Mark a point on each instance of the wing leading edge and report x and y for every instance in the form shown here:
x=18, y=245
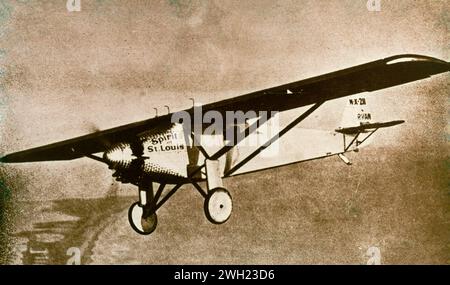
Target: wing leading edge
x=367, y=77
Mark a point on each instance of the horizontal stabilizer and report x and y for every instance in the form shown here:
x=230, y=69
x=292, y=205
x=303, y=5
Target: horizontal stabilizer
x=365, y=127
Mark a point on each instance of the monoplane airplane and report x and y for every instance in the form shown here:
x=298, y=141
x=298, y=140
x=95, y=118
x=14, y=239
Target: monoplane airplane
x=161, y=150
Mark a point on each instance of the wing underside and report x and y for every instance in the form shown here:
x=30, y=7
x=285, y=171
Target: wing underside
x=368, y=77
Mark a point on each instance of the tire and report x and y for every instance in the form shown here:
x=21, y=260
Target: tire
x=140, y=225
x=218, y=206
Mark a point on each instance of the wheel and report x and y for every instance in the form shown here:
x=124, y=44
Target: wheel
x=141, y=225
x=218, y=206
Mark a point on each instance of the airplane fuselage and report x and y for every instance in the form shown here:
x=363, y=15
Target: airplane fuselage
x=169, y=155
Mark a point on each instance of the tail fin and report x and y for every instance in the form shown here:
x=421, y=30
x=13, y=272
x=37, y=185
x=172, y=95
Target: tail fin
x=357, y=112
x=358, y=123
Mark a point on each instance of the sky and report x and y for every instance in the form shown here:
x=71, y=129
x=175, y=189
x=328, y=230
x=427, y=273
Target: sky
x=65, y=74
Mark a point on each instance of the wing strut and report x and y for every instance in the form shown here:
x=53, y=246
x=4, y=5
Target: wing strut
x=245, y=133
x=158, y=203
x=275, y=138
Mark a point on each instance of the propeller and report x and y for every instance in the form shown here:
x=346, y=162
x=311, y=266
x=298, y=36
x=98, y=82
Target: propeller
x=93, y=128
x=114, y=186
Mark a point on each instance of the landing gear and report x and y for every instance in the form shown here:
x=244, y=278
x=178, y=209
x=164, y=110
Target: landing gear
x=143, y=223
x=142, y=214
x=218, y=205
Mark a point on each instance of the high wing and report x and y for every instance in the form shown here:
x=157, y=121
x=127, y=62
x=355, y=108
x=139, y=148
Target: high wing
x=368, y=77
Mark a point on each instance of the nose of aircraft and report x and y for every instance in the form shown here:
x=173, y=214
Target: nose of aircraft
x=119, y=155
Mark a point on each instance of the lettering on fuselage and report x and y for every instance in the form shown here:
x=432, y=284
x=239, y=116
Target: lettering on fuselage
x=357, y=101
x=156, y=148
x=360, y=109
x=166, y=152
x=364, y=116
x=165, y=142
x=160, y=138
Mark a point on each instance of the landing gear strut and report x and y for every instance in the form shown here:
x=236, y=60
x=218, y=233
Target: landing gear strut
x=218, y=203
x=142, y=214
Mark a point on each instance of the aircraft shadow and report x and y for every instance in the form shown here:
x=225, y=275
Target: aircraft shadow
x=49, y=242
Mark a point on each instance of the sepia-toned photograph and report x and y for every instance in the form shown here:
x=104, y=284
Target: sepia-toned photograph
x=207, y=132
